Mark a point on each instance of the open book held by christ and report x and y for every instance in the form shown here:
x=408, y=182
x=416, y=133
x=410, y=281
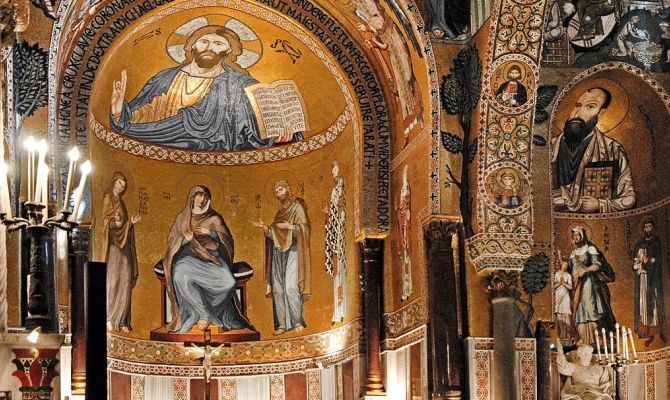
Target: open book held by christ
x=278, y=106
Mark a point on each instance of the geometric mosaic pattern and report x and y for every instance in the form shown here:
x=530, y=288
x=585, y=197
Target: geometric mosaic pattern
x=227, y=389
x=277, y=391
x=313, y=384
x=137, y=387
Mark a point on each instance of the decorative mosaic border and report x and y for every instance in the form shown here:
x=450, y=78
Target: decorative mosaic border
x=57, y=160
x=405, y=319
x=227, y=389
x=181, y=388
x=277, y=389
x=434, y=177
x=313, y=385
x=654, y=355
x=650, y=381
x=417, y=335
x=483, y=374
x=267, y=351
x=515, y=36
x=160, y=153
x=528, y=375
x=137, y=387
x=520, y=344
x=480, y=356
x=195, y=371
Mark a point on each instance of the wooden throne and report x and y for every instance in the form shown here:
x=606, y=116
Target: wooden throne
x=242, y=272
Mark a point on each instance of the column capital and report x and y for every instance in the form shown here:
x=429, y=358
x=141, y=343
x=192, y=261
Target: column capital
x=438, y=234
x=36, y=370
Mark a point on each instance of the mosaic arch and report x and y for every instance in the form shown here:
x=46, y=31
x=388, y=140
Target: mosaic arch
x=344, y=61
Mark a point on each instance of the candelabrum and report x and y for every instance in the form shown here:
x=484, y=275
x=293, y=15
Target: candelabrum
x=619, y=356
x=39, y=228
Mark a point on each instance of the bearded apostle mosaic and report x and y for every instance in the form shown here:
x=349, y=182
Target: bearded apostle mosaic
x=209, y=100
x=511, y=83
x=607, y=135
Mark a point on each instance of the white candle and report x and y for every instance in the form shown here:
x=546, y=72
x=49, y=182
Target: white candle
x=625, y=343
x=85, y=169
x=605, y=343
x=30, y=145
x=611, y=345
x=632, y=344
x=6, y=205
x=618, y=341
x=597, y=343
x=39, y=187
x=74, y=156
x=45, y=192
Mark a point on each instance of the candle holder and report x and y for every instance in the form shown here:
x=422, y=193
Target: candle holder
x=617, y=365
x=39, y=228
x=41, y=289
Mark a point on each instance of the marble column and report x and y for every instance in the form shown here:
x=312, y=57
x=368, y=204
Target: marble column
x=503, y=290
x=372, y=255
x=446, y=357
x=79, y=255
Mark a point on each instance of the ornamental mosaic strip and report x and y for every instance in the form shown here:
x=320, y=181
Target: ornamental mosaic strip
x=227, y=389
x=138, y=368
x=416, y=335
x=137, y=387
x=405, y=319
x=528, y=375
x=180, y=389
x=267, y=351
x=650, y=381
x=483, y=374
x=505, y=224
x=161, y=153
x=313, y=384
x=277, y=389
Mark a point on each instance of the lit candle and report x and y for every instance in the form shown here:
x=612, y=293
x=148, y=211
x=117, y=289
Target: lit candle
x=74, y=156
x=624, y=346
x=597, y=343
x=5, y=204
x=618, y=347
x=29, y=144
x=45, y=192
x=605, y=343
x=632, y=344
x=611, y=346
x=39, y=187
x=85, y=170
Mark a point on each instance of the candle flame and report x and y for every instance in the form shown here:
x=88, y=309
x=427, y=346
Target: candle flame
x=29, y=144
x=42, y=146
x=86, y=167
x=74, y=154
